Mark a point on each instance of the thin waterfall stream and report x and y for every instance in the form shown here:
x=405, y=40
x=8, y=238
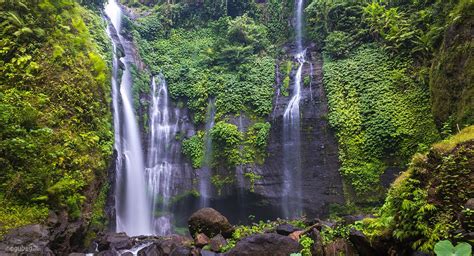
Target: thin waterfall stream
x=292, y=184
x=205, y=173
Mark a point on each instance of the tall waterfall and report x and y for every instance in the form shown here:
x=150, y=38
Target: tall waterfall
x=132, y=203
x=292, y=186
x=205, y=173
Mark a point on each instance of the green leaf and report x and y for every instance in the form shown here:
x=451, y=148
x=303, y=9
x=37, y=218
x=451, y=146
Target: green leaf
x=444, y=248
x=463, y=249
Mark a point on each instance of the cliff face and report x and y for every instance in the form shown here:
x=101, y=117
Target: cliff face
x=322, y=184
x=452, y=71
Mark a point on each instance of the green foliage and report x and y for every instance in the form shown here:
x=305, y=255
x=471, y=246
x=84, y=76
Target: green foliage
x=338, y=44
x=252, y=178
x=225, y=140
x=55, y=132
x=446, y=248
x=378, y=112
x=17, y=215
x=220, y=181
x=306, y=242
x=423, y=204
x=241, y=232
x=193, y=148
x=327, y=16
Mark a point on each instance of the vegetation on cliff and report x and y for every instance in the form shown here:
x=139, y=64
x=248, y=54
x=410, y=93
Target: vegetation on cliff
x=427, y=203
x=216, y=50
x=55, y=123
x=383, y=73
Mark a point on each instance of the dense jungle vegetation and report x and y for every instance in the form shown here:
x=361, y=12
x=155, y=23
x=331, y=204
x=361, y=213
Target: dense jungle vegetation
x=397, y=74
x=55, y=128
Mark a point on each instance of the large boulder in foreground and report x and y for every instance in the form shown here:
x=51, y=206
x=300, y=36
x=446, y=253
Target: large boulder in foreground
x=270, y=244
x=209, y=222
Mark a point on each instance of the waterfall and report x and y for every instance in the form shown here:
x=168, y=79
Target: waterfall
x=239, y=171
x=205, y=173
x=161, y=153
x=132, y=203
x=292, y=184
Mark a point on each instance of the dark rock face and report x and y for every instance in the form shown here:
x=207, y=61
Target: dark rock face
x=217, y=243
x=321, y=181
x=209, y=222
x=317, y=249
x=270, y=244
x=361, y=243
x=27, y=240
x=340, y=247
x=286, y=229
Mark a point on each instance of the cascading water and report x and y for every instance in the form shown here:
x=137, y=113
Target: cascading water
x=132, y=203
x=161, y=153
x=239, y=172
x=292, y=185
x=205, y=172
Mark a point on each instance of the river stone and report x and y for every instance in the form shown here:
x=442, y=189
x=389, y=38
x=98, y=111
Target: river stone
x=169, y=243
x=208, y=253
x=181, y=251
x=269, y=244
x=209, y=222
x=201, y=240
x=107, y=253
x=152, y=250
x=217, y=243
x=286, y=229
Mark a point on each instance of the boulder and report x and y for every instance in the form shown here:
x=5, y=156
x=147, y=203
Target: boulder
x=361, y=243
x=26, y=240
x=217, y=243
x=170, y=243
x=107, y=253
x=339, y=247
x=181, y=251
x=210, y=222
x=77, y=254
x=269, y=244
x=286, y=229
x=201, y=240
x=117, y=241
x=208, y=253
x=152, y=250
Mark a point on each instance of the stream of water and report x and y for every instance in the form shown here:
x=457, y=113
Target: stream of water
x=292, y=184
x=133, y=212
